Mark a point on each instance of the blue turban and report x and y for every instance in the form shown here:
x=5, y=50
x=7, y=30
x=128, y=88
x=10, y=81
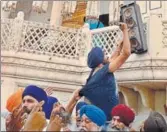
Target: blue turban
x=51, y=102
x=94, y=113
x=80, y=104
x=38, y=93
x=95, y=57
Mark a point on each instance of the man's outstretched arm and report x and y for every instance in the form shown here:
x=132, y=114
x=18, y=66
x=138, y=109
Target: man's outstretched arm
x=116, y=53
x=73, y=101
x=126, y=51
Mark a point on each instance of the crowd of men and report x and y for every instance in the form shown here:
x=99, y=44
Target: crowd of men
x=34, y=109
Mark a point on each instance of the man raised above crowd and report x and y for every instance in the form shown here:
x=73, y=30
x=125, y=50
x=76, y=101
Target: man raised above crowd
x=101, y=89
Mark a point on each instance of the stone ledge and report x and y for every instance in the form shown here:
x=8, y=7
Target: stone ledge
x=43, y=83
x=75, y=72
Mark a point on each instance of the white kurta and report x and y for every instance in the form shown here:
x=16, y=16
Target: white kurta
x=4, y=114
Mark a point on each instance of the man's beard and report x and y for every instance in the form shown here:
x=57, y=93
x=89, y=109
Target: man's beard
x=78, y=124
x=26, y=110
x=115, y=127
x=83, y=129
x=119, y=129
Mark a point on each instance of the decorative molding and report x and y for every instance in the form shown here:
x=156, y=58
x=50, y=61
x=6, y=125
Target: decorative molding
x=43, y=83
x=164, y=34
x=153, y=8
x=139, y=70
x=145, y=63
x=141, y=74
x=34, y=74
x=57, y=86
x=143, y=5
x=145, y=12
x=36, y=64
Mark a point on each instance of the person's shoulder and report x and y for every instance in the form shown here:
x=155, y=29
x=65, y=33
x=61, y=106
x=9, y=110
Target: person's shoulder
x=5, y=113
x=105, y=68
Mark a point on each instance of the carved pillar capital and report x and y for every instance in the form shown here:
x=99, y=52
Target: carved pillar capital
x=130, y=97
x=147, y=96
x=56, y=15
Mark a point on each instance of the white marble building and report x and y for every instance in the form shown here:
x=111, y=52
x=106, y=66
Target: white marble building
x=35, y=52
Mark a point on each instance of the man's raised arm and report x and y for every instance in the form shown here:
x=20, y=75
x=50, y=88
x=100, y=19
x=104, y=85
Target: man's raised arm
x=126, y=51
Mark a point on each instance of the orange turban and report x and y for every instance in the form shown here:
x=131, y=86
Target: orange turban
x=14, y=100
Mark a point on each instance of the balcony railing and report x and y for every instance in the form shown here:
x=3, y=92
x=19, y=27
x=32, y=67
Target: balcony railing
x=35, y=43
x=107, y=38
x=43, y=39
x=39, y=38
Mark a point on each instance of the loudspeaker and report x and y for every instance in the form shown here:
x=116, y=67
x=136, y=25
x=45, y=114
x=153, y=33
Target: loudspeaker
x=130, y=14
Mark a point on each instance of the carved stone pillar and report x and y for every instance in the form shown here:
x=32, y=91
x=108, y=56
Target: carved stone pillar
x=86, y=44
x=17, y=30
x=56, y=17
